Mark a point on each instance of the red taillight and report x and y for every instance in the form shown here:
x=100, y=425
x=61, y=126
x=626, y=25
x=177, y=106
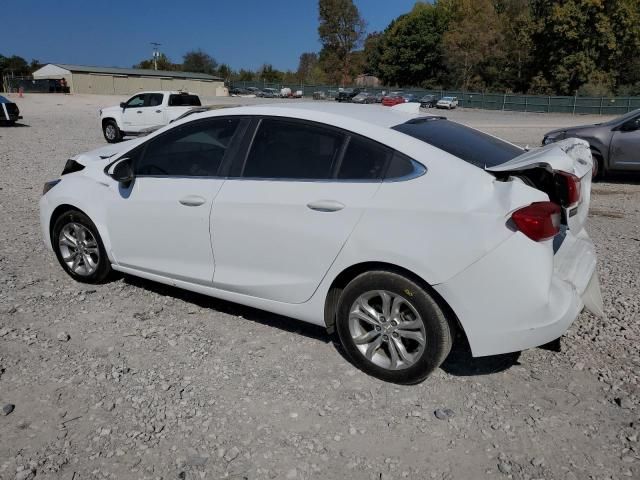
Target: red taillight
x=570, y=186
x=539, y=221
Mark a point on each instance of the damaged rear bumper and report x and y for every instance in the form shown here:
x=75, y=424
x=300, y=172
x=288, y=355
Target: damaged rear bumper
x=531, y=297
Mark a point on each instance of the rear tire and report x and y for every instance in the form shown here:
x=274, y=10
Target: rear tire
x=392, y=328
x=597, y=173
x=111, y=132
x=79, y=248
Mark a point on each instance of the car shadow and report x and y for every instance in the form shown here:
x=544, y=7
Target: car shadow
x=14, y=125
x=461, y=362
x=274, y=320
x=619, y=178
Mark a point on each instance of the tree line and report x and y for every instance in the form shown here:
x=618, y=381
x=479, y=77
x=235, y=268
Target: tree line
x=565, y=47
x=550, y=47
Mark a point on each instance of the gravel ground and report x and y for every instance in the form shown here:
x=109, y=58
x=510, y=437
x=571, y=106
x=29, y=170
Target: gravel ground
x=136, y=380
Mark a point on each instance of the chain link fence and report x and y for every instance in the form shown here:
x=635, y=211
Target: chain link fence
x=483, y=100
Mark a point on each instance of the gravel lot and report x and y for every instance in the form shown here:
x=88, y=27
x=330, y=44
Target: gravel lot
x=137, y=380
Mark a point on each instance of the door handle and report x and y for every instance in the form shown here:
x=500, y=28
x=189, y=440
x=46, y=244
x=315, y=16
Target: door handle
x=139, y=111
x=326, y=206
x=158, y=111
x=192, y=201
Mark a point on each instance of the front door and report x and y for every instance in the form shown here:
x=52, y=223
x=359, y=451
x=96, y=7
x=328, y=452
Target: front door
x=160, y=223
x=132, y=116
x=624, y=152
x=153, y=112
x=279, y=226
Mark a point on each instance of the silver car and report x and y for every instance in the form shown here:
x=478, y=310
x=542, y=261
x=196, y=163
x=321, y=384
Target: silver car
x=615, y=144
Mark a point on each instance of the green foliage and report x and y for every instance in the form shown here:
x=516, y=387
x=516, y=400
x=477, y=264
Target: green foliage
x=199, y=62
x=163, y=64
x=17, y=66
x=341, y=31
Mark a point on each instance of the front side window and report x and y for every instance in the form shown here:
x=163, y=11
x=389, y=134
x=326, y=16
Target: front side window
x=292, y=150
x=137, y=101
x=192, y=150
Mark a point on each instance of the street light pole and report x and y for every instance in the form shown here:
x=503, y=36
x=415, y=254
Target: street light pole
x=156, y=54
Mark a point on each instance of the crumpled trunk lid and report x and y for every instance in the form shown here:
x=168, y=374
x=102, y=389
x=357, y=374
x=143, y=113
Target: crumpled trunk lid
x=571, y=155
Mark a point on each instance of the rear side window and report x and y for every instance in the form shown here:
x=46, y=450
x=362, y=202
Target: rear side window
x=470, y=145
x=154, y=99
x=364, y=160
x=184, y=100
x=192, y=150
x=292, y=150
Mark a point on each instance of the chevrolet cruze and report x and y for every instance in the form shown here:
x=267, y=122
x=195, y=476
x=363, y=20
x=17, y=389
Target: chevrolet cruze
x=394, y=228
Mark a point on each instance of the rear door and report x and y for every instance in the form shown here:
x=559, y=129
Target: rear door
x=297, y=195
x=624, y=152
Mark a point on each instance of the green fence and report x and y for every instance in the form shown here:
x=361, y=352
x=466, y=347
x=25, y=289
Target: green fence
x=488, y=101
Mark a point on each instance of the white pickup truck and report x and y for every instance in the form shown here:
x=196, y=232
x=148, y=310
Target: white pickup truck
x=144, y=111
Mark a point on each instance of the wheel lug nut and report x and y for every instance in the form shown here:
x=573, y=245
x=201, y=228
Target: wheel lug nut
x=382, y=319
x=395, y=334
x=378, y=328
x=385, y=338
x=394, y=323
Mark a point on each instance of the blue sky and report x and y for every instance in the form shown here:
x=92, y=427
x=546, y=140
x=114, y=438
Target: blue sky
x=244, y=34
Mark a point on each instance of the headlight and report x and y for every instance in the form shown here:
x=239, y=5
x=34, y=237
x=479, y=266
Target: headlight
x=547, y=140
x=49, y=185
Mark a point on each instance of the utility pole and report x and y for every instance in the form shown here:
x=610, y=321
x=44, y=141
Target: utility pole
x=156, y=54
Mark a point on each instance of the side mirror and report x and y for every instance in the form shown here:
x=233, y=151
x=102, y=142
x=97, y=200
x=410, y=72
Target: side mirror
x=122, y=172
x=123, y=105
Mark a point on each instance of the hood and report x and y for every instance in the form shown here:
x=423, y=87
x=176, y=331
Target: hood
x=570, y=130
x=105, y=152
x=115, y=108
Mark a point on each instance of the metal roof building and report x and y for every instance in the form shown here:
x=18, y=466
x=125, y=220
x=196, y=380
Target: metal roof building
x=127, y=81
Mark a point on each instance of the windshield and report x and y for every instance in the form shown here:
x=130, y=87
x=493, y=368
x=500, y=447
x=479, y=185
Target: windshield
x=466, y=143
x=447, y=99
x=623, y=118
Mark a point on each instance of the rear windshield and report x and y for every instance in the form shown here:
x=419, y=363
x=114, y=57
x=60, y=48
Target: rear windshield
x=183, y=100
x=470, y=145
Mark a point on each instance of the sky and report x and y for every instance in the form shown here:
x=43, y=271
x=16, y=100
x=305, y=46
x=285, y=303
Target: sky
x=117, y=33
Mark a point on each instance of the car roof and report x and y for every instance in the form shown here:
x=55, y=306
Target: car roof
x=4, y=100
x=373, y=114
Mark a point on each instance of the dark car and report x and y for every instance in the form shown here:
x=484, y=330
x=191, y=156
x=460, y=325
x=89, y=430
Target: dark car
x=615, y=144
x=347, y=94
x=269, y=93
x=239, y=91
x=410, y=98
x=428, y=101
x=9, y=111
x=364, y=97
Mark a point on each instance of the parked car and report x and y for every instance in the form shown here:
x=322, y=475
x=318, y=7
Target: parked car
x=320, y=95
x=347, y=94
x=366, y=236
x=394, y=98
x=254, y=91
x=364, y=98
x=410, y=98
x=379, y=97
x=428, y=101
x=142, y=111
x=447, y=102
x=615, y=144
x=269, y=93
x=9, y=112
x=237, y=91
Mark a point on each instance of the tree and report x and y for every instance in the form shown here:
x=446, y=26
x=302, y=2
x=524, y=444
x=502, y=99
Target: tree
x=372, y=52
x=577, y=41
x=224, y=71
x=306, y=65
x=199, y=62
x=473, y=41
x=163, y=64
x=341, y=31
x=15, y=66
x=269, y=74
x=410, y=51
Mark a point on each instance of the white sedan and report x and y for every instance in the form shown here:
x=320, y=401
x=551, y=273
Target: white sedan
x=396, y=229
x=447, y=102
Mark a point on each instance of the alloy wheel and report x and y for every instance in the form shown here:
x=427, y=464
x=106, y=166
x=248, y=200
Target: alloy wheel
x=79, y=249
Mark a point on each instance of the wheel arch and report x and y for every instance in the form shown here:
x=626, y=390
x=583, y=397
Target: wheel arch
x=58, y=212
x=349, y=273
x=107, y=120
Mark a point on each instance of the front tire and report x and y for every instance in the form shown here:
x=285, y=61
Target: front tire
x=79, y=248
x=111, y=132
x=392, y=328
